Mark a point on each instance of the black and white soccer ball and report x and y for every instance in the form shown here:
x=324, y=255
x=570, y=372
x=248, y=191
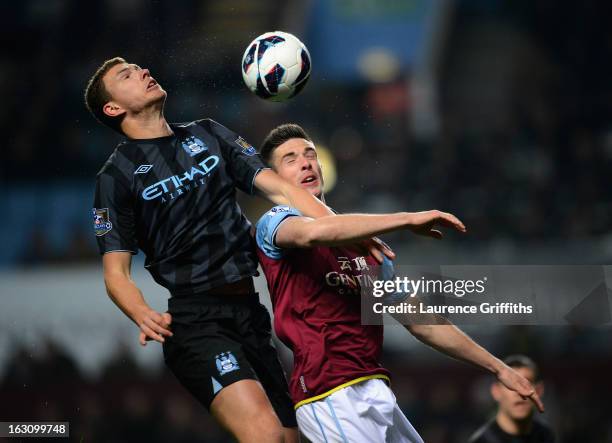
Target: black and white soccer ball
x=276, y=66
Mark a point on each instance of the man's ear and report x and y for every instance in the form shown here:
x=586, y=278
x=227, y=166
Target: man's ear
x=112, y=109
x=495, y=391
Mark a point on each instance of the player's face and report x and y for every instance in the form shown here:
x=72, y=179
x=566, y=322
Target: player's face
x=132, y=89
x=297, y=162
x=510, y=402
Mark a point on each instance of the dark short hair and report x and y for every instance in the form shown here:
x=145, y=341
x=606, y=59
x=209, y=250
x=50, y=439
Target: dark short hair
x=96, y=95
x=522, y=361
x=280, y=135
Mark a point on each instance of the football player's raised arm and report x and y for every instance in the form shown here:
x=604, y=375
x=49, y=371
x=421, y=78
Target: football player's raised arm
x=125, y=294
x=274, y=188
x=303, y=232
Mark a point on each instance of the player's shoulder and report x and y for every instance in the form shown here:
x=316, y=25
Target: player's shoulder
x=481, y=434
x=277, y=212
x=207, y=123
x=267, y=226
x=118, y=164
x=112, y=162
x=269, y=222
x=543, y=431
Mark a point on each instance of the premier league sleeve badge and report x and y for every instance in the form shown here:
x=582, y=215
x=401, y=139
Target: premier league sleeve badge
x=102, y=223
x=247, y=148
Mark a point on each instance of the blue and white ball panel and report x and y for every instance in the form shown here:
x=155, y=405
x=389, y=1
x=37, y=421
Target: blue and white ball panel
x=248, y=61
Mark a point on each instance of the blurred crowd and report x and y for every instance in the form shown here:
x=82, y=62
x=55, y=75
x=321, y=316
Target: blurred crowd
x=445, y=400
x=522, y=150
x=124, y=403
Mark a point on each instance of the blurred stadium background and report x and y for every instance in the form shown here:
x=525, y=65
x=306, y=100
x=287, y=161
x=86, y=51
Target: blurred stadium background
x=496, y=110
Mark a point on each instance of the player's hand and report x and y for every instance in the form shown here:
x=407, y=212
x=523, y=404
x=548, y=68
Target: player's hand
x=154, y=326
x=423, y=223
x=376, y=248
x=519, y=384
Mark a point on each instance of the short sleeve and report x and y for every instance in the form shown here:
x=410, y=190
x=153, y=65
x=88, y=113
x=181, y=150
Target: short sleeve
x=267, y=226
x=113, y=216
x=242, y=158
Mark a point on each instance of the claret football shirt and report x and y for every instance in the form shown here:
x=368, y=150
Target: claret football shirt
x=174, y=198
x=316, y=296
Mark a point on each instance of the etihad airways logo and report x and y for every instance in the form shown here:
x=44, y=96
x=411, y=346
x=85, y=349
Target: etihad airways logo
x=176, y=185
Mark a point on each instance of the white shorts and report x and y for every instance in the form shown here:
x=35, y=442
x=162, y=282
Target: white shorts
x=360, y=413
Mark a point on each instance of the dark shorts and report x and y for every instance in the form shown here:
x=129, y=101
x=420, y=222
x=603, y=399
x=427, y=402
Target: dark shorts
x=219, y=340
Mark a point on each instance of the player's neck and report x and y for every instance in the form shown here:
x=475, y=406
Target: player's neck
x=146, y=124
x=513, y=427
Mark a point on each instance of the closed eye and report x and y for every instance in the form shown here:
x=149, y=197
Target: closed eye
x=289, y=157
x=135, y=67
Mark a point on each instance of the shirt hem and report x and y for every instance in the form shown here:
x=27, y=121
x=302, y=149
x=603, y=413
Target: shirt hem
x=195, y=290
x=342, y=386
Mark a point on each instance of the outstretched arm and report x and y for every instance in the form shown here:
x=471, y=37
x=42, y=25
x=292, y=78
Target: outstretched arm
x=124, y=293
x=304, y=232
x=450, y=340
x=271, y=186
x=439, y=333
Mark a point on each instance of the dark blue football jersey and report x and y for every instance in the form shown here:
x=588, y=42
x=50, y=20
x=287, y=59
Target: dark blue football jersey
x=174, y=198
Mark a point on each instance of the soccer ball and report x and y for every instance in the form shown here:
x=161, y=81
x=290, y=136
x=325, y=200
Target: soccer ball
x=276, y=66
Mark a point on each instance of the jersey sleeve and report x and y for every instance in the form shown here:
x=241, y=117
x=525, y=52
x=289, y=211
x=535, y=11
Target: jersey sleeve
x=113, y=216
x=267, y=226
x=244, y=162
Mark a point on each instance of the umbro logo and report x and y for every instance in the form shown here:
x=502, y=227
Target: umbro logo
x=143, y=169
